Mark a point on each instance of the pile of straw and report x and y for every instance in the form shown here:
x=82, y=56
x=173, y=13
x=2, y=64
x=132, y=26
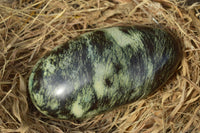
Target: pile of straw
x=31, y=28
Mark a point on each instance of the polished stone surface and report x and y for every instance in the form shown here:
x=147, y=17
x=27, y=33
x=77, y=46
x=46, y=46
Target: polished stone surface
x=101, y=70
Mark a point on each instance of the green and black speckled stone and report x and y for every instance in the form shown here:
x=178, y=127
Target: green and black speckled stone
x=103, y=69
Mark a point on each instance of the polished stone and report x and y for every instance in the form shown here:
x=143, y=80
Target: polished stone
x=101, y=70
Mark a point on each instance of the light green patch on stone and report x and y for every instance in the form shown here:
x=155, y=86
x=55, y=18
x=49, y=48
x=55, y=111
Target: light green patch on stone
x=49, y=68
x=119, y=37
x=137, y=37
x=122, y=39
x=35, y=83
x=53, y=103
x=102, y=71
x=30, y=82
x=42, y=111
x=90, y=52
x=61, y=116
x=39, y=99
x=150, y=70
x=77, y=108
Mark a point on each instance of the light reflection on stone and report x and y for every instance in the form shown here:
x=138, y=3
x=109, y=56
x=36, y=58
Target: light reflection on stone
x=63, y=90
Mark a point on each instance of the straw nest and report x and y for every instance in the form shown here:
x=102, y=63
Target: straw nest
x=31, y=28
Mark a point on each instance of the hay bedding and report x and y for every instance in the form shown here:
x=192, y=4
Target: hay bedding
x=31, y=28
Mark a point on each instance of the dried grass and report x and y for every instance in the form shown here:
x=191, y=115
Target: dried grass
x=31, y=28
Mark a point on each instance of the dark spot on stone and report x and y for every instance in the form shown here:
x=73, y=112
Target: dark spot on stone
x=105, y=100
x=125, y=30
x=149, y=43
x=117, y=67
x=39, y=75
x=108, y=82
x=94, y=102
x=101, y=43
